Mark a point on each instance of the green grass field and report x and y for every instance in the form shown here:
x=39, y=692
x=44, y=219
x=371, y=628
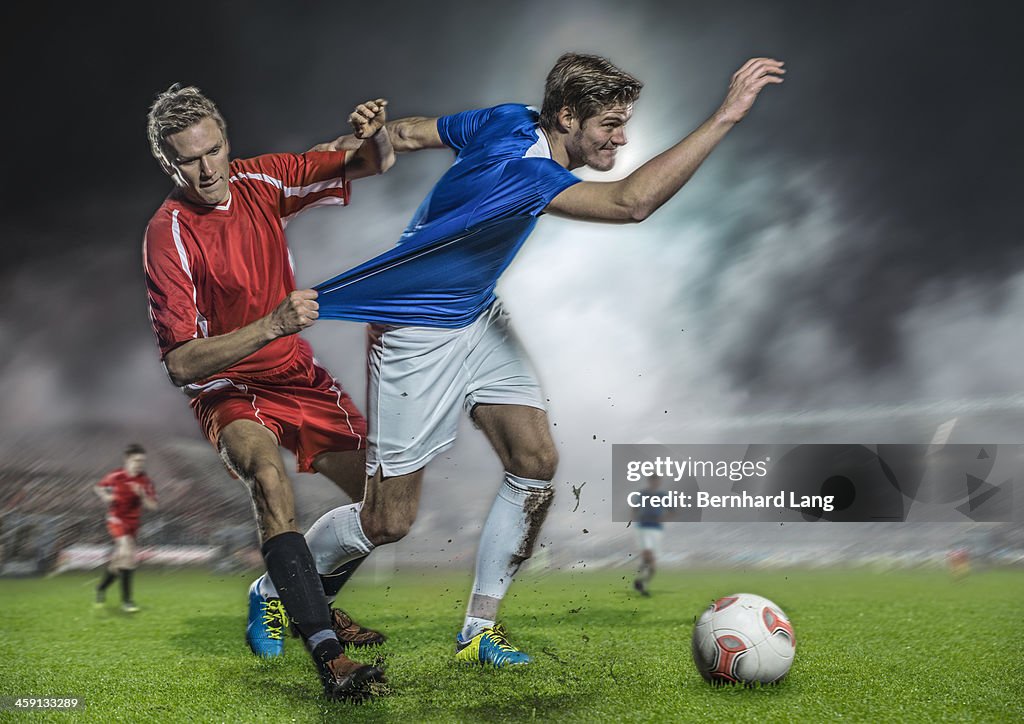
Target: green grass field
x=907, y=646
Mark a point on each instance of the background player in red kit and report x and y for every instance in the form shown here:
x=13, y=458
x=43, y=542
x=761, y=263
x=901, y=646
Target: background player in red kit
x=126, y=491
x=226, y=312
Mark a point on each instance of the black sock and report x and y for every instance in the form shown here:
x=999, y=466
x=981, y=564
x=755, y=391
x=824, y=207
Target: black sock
x=291, y=568
x=126, y=585
x=333, y=581
x=107, y=580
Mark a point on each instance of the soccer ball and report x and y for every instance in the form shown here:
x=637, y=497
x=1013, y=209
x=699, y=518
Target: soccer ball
x=743, y=638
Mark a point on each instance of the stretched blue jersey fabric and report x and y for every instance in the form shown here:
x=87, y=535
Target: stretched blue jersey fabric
x=443, y=271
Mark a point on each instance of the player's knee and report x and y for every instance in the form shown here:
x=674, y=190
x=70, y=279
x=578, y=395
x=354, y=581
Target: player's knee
x=537, y=464
x=384, y=533
x=387, y=526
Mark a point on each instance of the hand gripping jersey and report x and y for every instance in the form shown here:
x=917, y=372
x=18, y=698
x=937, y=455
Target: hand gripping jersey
x=212, y=270
x=466, y=232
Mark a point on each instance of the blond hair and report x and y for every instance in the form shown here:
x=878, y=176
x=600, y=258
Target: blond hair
x=174, y=110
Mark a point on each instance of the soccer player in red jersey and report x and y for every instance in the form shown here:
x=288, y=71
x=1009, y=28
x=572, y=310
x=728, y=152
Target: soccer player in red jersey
x=126, y=491
x=226, y=313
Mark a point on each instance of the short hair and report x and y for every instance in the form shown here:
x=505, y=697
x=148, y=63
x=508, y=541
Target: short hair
x=134, y=449
x=174, y=110
x=585, y=84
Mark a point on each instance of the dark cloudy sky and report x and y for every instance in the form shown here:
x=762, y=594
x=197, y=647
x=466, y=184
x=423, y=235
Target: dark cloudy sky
x=852, y=242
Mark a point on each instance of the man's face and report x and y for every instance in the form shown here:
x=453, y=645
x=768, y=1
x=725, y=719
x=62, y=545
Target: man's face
x=135, y=464
x=595, y=140
x=199, y=162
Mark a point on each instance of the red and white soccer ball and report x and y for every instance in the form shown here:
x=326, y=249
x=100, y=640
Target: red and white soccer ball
x=743, y=639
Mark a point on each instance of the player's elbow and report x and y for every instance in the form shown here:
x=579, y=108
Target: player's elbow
x=178, y=379
x=176, y=371
x=639, y=212
x=634, y=207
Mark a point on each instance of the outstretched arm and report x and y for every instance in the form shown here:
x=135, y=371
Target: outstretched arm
x=640, y=194
x=407, y=134
x=415, y=133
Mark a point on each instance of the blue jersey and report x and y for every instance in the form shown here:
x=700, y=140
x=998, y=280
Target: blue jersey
x=650, y=516
x=443, y=271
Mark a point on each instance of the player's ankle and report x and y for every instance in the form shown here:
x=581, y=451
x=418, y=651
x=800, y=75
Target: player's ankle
x=473, y=626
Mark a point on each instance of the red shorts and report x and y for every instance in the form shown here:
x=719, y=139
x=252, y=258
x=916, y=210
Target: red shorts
x=118, y=527
x=305, y=408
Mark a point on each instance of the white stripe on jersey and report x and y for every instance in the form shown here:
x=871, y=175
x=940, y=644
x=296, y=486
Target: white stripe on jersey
x=325, y=201
x=300, y=191
x=336, y=389
x=183, y=258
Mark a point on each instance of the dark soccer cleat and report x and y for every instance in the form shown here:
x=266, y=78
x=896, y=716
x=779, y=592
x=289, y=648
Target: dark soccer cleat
x=350, y=633
x=348, y=680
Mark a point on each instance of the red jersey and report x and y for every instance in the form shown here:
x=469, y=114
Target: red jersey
x=126, y=506
x=214, y=269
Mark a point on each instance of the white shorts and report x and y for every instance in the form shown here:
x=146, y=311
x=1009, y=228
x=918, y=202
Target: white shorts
x=419, y=378
x=650, y=539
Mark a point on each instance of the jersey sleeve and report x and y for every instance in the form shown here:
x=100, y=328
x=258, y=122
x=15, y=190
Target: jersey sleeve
x=527, y=186
x=149, y=488
x=458, y=129
x=108, y=481
x=169, y=283
x=300, y=181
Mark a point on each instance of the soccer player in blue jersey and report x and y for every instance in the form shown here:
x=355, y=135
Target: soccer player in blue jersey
x=439, y=338
x=648, y=531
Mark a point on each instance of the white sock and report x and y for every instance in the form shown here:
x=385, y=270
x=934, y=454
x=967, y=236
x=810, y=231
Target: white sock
x=266, y=587
x=506, y=541
x=473, y=626
x=336, y=538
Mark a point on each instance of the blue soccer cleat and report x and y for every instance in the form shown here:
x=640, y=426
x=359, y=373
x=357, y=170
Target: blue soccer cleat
x=490, y=646
x=267, y=623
